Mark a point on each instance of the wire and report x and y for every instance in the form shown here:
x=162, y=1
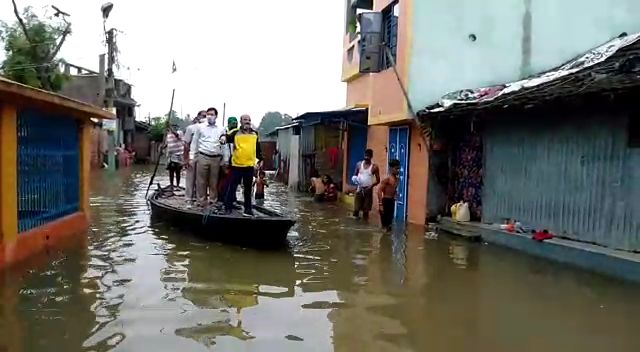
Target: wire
x=38, y=44
x=23, y=67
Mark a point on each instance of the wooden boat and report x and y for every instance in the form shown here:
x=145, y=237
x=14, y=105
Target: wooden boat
x=267, y=228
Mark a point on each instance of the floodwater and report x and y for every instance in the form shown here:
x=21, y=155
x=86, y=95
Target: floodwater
x=341, y=286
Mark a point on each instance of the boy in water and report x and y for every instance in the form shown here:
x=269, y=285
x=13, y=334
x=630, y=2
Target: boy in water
x=317, y=187
x=260, y=184
x=387, y=195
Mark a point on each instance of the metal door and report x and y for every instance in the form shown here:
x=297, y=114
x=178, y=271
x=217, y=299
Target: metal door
x=399, y=149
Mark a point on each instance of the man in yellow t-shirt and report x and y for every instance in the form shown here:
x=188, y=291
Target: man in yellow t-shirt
x=246, y=149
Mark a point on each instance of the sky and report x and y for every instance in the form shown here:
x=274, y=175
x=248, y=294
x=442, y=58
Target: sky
x=254, y=55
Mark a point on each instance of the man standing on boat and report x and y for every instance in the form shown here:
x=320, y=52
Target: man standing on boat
x=174, y=146
x=246, y=149
x=206, y=143
x=225, y=179
x=190, y=163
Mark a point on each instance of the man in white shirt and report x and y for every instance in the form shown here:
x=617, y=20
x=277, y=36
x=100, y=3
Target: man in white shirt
x=190, y=163
x=206, y=143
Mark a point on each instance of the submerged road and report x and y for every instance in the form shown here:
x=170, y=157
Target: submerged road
x=341, y=286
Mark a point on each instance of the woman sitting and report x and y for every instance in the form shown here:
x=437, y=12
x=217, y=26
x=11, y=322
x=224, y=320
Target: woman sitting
x=330, y=189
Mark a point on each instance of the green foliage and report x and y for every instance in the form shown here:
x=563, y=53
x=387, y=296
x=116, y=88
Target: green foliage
x=271, y=121
x=30, y=59
x=158, y=127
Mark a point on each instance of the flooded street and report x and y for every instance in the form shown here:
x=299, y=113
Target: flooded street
x=341, y=286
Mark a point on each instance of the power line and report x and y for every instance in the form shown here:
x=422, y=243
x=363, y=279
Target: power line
x=22, y=67
x=38, y=44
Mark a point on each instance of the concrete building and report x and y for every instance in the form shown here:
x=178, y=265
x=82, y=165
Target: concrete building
x=90, y=87
x=391, y=132
x=439, y=48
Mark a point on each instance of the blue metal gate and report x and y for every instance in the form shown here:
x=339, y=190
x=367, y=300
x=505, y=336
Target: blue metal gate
x=48, y=168
x=357, y=144
x=399, y=149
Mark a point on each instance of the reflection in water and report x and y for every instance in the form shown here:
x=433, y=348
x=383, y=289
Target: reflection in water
x=342, y=285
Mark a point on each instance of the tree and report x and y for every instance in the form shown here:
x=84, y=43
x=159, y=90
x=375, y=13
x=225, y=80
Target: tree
x=158, y=127
x=271, y=121
x=31, y=46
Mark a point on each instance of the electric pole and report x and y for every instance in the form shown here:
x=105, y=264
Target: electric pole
x=110, y=85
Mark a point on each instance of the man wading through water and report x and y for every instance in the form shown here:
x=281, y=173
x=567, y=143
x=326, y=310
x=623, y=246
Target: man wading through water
x=206, y=143
x=366, y=170
x=191, y=163
x=246, y=149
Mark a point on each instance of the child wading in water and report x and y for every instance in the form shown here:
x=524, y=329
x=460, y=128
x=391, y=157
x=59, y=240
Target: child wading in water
x=260, y=184
x=387, y=195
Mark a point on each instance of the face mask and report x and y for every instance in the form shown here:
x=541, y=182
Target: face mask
x=211, y=119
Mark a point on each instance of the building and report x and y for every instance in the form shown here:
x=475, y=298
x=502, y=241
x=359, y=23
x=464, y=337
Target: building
x=142, y=142
x=557, y=151
x=391, y=132
x=438, y=48
x=326, y=148
x=90, y=87
x=45, y=159
x=287, y=158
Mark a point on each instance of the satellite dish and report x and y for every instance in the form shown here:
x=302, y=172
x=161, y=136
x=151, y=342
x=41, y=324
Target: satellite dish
x=106, y=10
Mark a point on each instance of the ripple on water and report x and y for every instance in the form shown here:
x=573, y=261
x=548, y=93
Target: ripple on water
x=341, y=285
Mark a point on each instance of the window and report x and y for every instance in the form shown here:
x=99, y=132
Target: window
x=390, y=33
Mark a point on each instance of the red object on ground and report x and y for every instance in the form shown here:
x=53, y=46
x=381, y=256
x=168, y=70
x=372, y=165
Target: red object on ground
x=541, y=235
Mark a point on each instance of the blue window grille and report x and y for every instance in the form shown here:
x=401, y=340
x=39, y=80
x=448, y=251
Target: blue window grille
x=48, y=168
x=390, y=22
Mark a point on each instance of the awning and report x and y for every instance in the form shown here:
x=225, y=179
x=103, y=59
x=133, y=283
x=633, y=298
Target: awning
x=353, y=115
x=609, y=67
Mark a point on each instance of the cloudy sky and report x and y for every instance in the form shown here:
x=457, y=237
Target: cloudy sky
x=255, y=55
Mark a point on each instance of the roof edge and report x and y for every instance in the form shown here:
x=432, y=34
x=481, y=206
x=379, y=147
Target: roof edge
x=21, y=91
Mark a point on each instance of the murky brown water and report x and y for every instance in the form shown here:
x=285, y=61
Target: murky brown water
x=341, y=286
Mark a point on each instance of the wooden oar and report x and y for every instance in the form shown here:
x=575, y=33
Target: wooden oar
x=155, y=170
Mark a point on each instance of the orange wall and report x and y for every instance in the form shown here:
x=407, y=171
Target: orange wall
x=359, y=91
x=418, y=178
x=377, y=140
x=387, y=101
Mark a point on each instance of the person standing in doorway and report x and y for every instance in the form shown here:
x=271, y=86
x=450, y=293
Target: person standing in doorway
x=206, y=143
x=387, y=195
x=366, y=171
x=246, y=149
x=191, y=163
x=174, y=145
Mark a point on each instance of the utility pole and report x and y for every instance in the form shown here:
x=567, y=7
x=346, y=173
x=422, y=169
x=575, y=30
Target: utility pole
x=224, y=114
x=110, y=86
x=113, y=138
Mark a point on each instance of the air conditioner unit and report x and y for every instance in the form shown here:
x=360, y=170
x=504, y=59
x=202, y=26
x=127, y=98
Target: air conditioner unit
x=371, y=41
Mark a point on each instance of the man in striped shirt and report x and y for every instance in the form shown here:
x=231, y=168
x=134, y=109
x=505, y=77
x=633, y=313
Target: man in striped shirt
x=175, y=152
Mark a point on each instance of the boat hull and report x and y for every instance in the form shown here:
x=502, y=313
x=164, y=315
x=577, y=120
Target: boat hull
x=269, y=231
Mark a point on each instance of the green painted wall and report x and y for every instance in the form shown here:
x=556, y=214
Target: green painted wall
x=515, y=38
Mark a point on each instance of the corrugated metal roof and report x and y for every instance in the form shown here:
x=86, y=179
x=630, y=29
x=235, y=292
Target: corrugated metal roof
x=613, y=65
x=315, y=117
